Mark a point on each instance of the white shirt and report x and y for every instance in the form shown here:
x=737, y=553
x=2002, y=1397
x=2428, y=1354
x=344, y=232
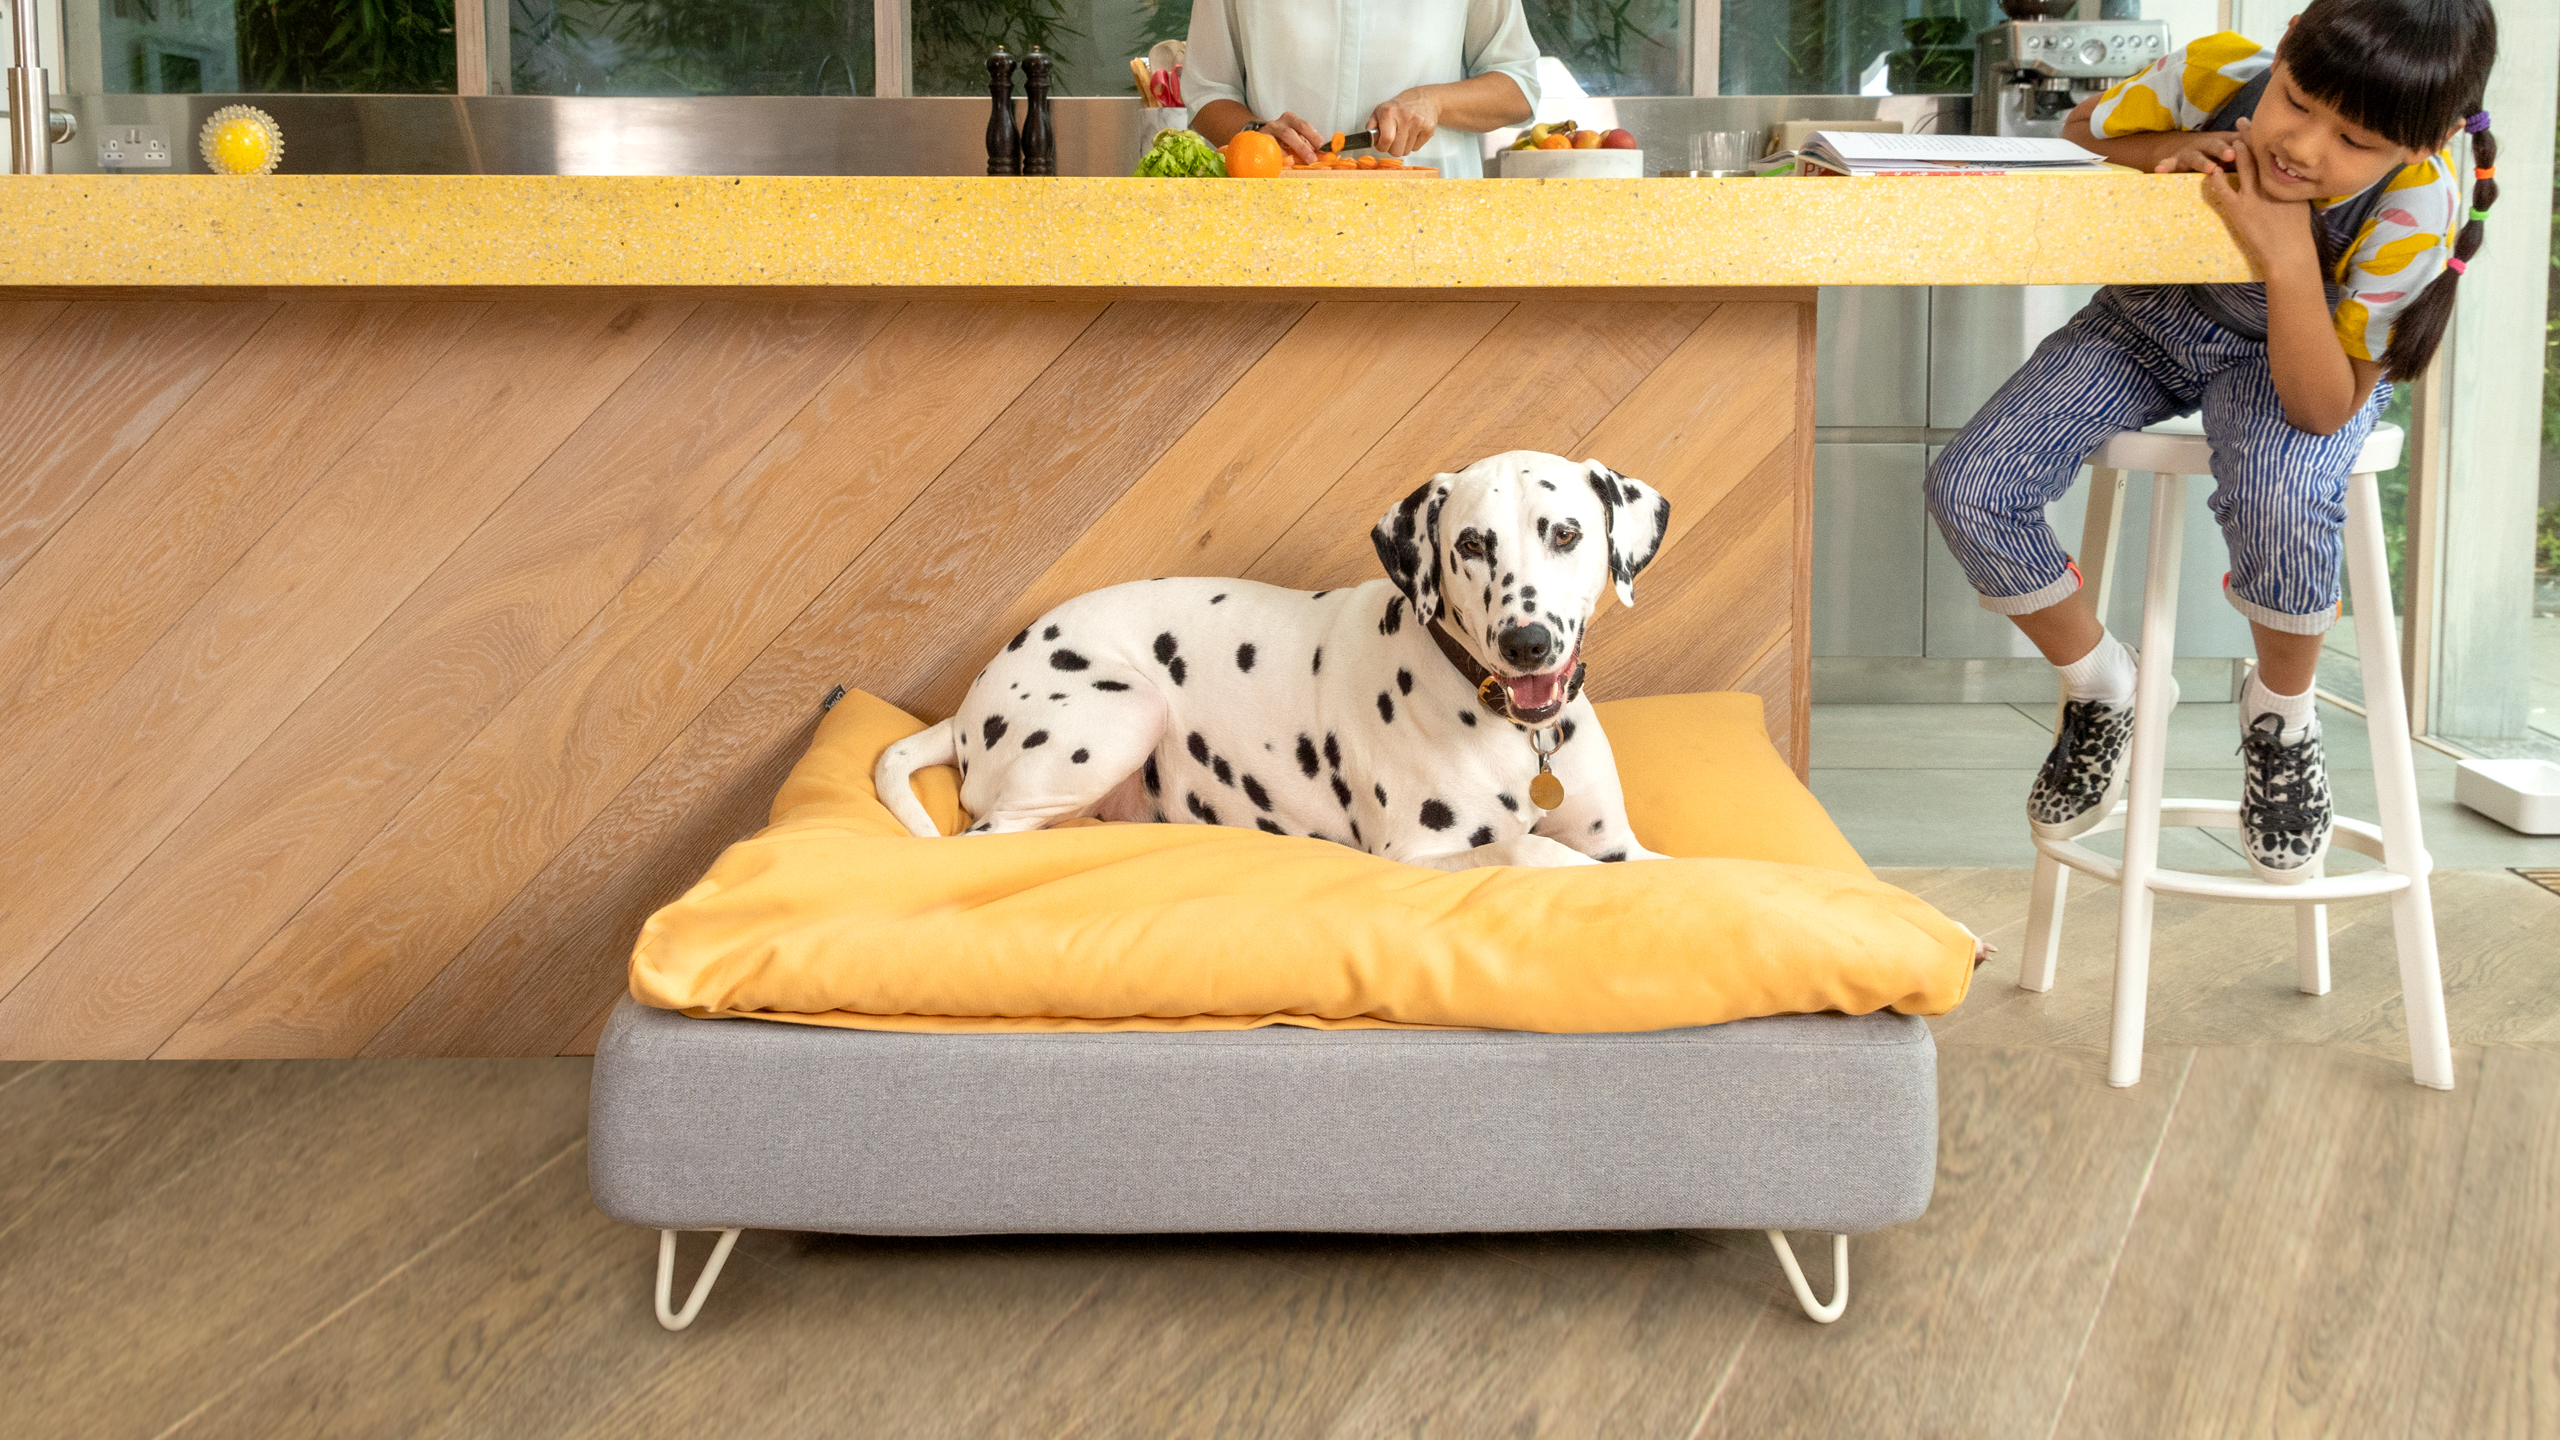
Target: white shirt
x=1332, y=62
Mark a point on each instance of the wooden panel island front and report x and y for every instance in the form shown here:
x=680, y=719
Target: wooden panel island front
x=406, y=584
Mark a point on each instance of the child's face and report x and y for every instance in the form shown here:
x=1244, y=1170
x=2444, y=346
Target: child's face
x=2308, y=151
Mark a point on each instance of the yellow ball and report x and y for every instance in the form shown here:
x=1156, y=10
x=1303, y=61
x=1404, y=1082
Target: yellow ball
x=241, y=140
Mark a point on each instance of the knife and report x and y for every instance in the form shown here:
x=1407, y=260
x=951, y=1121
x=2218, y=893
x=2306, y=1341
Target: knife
x=1359, y=140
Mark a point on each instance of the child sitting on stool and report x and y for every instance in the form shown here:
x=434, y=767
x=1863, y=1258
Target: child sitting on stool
x=2329, y=163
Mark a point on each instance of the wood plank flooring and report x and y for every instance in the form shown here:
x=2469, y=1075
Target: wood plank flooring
x=372, y=666
x=2281, y=1238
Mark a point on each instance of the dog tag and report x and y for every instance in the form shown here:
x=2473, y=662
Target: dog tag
x=1546, y=792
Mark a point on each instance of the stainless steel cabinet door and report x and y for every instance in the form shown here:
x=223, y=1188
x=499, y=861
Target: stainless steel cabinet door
x=1870, y=524
x=1871, y=356
x=1980, y=334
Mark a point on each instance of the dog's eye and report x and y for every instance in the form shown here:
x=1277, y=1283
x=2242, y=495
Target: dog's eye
x=1565, y=537
x=1471, y=547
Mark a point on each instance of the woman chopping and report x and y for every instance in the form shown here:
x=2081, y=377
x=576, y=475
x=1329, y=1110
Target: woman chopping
x=1427, y=77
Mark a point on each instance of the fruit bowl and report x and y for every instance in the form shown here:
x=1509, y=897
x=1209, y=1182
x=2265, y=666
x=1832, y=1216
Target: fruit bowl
x=1572, y=164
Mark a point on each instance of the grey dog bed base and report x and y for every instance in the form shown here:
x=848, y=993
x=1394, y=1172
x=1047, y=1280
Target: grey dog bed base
x=1807, y=1122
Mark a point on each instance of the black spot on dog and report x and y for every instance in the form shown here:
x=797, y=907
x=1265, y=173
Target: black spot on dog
x=1067, y=660
x=1165, y=648
x=994, y=729
x=1509, y=804
x=1155, y=785
x=1542, y=527
x=1404, y=682
x=1175, y=669
x=1049, y=634
x=1317, y=668
x=1506, y=597
x=1332, y=751
x=1564, y=732
x=1386, y=708
x=1016, y=642
x=1198, y=745
x=1054, y=695
x=1111, y=685
x=1528, y=592
x=1307, y=757
x=1355, y=834
x=1378, y=790
x=1437, y=816
x=1341, y=792
x=1319, y=594
x=1035, y=739
x=1267, y=827
x=1244, y=657
x=1080, y=757
x=1613, y=857
x=1546, y=485
x=1488, y=595
x=1225, y=772
x=1595, y=826
x=1393, y=620
x=1254, y=792
x=1214, y=599
x=1506, y=577
x=1466, y=717
x=1483, y=836
x=1202, y=812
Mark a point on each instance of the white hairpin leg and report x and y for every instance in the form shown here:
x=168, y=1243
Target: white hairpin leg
x=678, y=1319
x=1822, y=1314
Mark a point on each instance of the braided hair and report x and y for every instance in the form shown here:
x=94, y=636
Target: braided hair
x=2410, y=71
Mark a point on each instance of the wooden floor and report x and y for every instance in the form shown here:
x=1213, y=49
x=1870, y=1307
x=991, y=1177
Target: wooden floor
x=2275, y=1234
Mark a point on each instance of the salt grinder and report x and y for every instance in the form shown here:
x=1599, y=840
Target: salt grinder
x=1004, y=154
x=1039, y=140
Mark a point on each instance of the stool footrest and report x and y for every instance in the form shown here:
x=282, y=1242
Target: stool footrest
x=2347, y=834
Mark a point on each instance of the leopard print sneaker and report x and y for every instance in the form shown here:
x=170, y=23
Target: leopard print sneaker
x=2284, y=807
x=2083, y=775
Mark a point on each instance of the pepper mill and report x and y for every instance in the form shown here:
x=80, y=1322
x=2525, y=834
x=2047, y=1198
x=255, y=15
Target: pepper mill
x=1004, y=155
x=1039, y=140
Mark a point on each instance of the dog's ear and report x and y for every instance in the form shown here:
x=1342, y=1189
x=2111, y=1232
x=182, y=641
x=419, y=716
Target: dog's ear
x=1408, y=541
x=1638, y=516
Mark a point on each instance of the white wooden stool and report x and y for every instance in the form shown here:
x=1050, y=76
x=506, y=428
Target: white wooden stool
x=2172, y=452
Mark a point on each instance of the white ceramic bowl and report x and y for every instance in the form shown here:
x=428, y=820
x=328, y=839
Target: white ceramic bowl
x=2523, y=795
x=1572, y=165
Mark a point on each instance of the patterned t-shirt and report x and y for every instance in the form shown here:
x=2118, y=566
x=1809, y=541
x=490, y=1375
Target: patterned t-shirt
x=2404, y=243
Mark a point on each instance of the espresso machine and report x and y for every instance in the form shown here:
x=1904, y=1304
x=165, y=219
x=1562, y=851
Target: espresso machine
x=2030, y=71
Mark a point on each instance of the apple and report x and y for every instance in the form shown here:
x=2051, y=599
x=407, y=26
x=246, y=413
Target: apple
x=1618, y=140
x=1586, y=139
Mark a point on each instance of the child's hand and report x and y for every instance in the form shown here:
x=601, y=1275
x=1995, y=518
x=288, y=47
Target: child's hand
x=2208, y=153
x=2275, y=233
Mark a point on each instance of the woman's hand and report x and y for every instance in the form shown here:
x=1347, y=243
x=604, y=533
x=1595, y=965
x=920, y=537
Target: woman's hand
x=2276, y=234
x=2206, y=152
x=1296, y=136
x=1406, y=123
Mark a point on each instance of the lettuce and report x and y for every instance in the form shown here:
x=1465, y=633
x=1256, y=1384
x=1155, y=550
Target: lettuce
x=1181, y=153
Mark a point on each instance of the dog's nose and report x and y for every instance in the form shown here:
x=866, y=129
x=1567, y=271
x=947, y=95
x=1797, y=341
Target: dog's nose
x=1529, y=647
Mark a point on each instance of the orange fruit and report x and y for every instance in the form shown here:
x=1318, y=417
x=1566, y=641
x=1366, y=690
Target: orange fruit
x=1253, y=155
x=1555, y=142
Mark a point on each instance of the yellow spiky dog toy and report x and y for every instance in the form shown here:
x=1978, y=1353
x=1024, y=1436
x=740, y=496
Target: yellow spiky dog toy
x=241, y=140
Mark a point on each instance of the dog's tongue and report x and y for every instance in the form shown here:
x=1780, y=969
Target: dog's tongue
x=1538, y=692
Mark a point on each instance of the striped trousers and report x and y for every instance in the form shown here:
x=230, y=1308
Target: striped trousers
x=2136, y=356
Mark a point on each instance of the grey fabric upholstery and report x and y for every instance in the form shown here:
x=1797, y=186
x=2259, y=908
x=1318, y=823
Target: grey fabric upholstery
x=1816, y=1122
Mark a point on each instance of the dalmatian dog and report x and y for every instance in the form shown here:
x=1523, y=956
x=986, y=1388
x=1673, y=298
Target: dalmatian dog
x=1405, y=717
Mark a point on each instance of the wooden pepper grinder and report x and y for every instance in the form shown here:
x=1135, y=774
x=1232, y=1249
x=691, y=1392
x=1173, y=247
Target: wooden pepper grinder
x=1004, y=154
x=1039, y=141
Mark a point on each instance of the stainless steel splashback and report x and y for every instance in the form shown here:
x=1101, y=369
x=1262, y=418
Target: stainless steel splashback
x=796, y=135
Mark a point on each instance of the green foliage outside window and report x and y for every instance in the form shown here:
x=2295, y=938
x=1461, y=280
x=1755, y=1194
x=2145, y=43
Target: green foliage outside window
x=954, y=37
x=1613, y=47
x=347, y=46
x=694, y=47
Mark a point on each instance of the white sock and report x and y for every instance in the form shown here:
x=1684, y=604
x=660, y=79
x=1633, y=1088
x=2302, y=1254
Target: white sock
x=2297, y=711
x=2105, y=674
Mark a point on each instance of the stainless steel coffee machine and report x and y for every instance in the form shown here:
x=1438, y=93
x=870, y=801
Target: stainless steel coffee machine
x=2029, y=72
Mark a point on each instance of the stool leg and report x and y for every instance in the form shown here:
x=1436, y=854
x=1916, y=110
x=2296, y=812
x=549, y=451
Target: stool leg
x=2311, y=949
x=2142, y=792
x=2043, y=944
x=2395, y=783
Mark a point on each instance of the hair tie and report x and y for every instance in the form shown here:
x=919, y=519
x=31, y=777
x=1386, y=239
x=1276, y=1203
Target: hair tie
x=2485, y=172
x=2456, y=266
x=2477, y=123
x=2479, y=214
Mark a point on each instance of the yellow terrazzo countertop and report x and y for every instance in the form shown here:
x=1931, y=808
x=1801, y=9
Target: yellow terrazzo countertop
x=325, y=230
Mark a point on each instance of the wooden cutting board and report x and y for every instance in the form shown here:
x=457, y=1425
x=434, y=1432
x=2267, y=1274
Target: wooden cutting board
x=1312, y=172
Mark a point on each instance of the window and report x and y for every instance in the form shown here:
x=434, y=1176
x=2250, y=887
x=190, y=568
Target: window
x=183, y=47
x=1850, y=47
x=1616, y=47
x=689, y=47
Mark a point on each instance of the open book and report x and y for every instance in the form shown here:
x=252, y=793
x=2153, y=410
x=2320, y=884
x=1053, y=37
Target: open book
x=1853, y=152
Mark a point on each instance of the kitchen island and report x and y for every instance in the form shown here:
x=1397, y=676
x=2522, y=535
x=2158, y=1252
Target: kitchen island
x=407, y=583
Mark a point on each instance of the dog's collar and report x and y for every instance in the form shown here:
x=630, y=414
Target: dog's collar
x=1490, y=691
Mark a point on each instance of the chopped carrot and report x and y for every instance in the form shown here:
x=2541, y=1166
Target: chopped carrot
x=1368, y=162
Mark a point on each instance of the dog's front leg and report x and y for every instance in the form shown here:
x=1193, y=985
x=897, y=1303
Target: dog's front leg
x=1593, y=817
x=1520, y=850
